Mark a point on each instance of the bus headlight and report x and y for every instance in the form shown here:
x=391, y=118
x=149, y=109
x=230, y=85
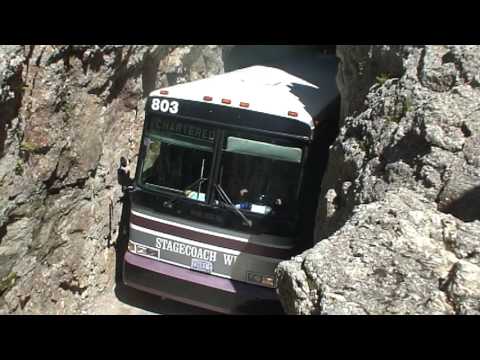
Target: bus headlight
x=268, y=281
x=131, y=247
x=141, y=250
x=152, y=252
x=265, y=280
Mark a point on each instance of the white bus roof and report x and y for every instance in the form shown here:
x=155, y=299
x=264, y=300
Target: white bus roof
x=266, y=89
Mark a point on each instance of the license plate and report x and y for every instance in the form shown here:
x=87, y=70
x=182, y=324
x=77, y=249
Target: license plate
x=202, y=265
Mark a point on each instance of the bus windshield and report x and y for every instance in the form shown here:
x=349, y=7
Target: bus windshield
x=261, y=177
x=177, y=163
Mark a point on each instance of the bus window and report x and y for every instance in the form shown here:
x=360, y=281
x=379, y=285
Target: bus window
x=178, y=164
x=260, y=177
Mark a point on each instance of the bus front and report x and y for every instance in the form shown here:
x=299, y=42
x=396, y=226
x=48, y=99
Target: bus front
x=215, y=205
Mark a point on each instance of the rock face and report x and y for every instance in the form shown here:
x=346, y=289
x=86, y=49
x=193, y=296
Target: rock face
x=67, y=114
x=398, y=228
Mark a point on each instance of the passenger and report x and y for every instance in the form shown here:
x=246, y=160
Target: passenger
x=154, y=174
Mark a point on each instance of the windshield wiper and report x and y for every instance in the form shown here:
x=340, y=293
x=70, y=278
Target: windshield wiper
x=168, y=203
x=200, y=181
x=226, y=201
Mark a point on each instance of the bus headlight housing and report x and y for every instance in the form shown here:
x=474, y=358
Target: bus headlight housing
x=131, y=247
x=265, y=280
x=140, y=250
x=268, y=281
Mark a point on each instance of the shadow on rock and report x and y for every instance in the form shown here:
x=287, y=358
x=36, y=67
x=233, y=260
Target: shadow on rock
x=467, y=207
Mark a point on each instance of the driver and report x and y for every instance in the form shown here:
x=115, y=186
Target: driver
x=244, y=201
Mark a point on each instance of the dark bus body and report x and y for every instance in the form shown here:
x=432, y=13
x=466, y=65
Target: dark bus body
x=210, y=226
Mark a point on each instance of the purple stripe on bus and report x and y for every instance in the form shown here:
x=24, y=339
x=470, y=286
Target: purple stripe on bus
x=212, y=239
x=180, y=273
x=166, y=270
x=195, y=277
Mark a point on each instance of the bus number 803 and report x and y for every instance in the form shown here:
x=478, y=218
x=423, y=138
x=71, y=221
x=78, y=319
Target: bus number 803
x=165, y=105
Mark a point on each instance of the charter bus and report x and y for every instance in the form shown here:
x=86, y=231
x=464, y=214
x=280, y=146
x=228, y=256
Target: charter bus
x=216, y=200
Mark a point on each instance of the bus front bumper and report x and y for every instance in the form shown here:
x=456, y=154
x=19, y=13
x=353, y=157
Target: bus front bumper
x=198, y=289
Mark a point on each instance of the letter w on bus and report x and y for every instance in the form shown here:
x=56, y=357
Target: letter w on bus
x=228, y=259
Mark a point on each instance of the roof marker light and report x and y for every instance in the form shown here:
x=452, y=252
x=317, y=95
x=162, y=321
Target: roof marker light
x=244, y=104
x=226, y=101
x=207, y=98
x=292, y=113
x=164, y=92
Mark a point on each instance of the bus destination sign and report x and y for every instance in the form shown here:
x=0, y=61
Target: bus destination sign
x=177, y=126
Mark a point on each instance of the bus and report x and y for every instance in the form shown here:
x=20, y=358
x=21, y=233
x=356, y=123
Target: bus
x=216, y=202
